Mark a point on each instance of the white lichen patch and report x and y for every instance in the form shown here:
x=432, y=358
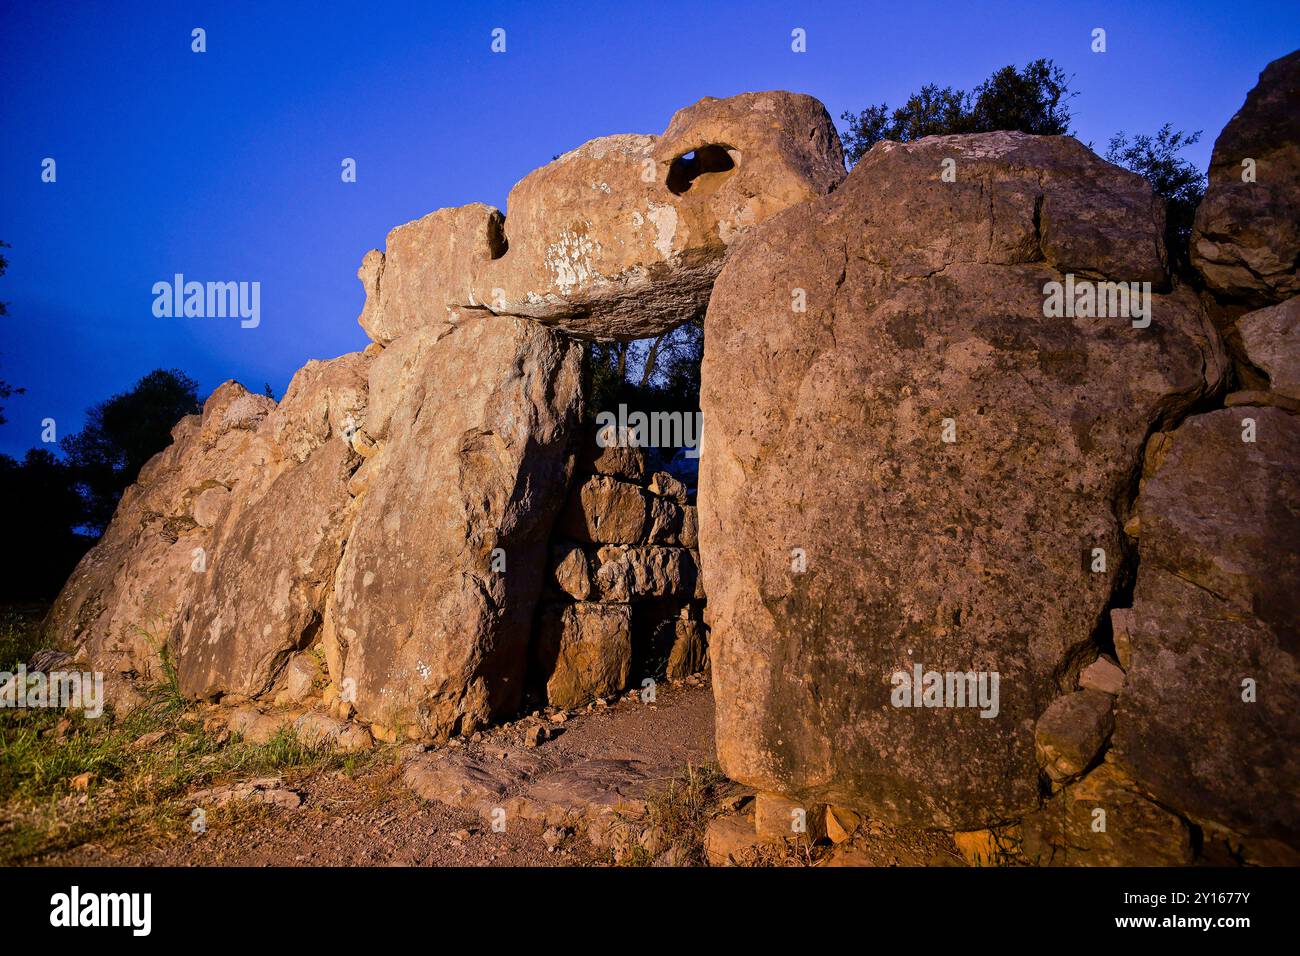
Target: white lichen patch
x=664, y=219
x=568, y=260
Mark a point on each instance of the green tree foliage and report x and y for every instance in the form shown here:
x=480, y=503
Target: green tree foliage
x=1182, y=185
x=648, y=375
x=123, y=433
x=1031, y=100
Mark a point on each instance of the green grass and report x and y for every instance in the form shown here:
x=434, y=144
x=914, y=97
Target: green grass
x=135, y=790
x=20, y=638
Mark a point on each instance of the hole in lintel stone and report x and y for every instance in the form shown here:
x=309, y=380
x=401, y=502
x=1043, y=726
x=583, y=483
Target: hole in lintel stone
x=497, y=244
x=688, y=167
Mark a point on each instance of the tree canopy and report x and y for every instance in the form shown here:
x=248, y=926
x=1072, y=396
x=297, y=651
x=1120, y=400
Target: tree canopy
x=658, y=374
x=1034, y=99
x=124, y=432
x=1155, y=158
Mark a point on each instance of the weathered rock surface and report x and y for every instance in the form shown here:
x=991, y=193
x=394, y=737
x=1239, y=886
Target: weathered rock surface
x=570, y=570
x=324, y=399
x=118, y=607
x=300, y=676
x=588, y=792
x=619, y=238
x=636, y=572
x=666, y=521
x=460, y=780
x=1207, y=719
x=586, y=649
x=1272, y=344
x=607, y=511
x=1103, y=675
x=620, y=460
x=1104, y=820
x=925, y=317
x=435, y=593
x=256, y=727
x=841, y=824
x=426, y=269
x=263, y=592
x=1072, y=731
x=688, y=652
x=268, y=790
x=666, y=486
x=1246, y=241
x=316, y=730
x=731, y=840
x=777, y=818
x=597, y=796
x=689, y=536
x=1121, y=628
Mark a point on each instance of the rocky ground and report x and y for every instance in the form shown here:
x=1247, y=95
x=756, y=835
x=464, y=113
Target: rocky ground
x=374, y=819
x=339, y=816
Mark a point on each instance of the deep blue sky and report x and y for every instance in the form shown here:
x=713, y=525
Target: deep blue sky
x=225, y=165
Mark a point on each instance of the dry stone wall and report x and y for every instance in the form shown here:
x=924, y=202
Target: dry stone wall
x=624, y=602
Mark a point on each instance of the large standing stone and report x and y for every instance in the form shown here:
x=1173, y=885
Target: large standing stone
x=1208, y=718
x=844, y=539
x=120, y=604
x=261, y=593
x=1246, y=241
x=435, y=593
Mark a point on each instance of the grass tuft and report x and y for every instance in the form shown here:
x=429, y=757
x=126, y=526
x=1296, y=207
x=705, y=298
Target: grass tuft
x=679, y=813
x=136, y=786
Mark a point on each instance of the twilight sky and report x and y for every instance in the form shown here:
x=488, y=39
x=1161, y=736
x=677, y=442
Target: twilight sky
x=225, y=165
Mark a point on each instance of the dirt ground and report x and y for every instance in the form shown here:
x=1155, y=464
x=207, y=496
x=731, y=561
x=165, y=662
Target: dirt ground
x=374, y=820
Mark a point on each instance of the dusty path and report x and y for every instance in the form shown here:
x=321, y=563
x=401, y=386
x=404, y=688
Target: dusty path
x=375, y=819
